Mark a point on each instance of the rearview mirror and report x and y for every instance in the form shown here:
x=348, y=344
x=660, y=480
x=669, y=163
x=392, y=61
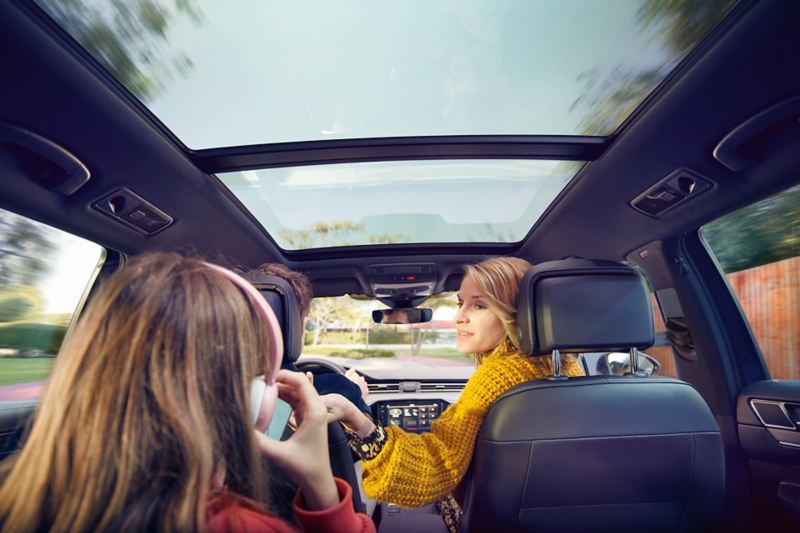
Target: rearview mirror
x=413, y=315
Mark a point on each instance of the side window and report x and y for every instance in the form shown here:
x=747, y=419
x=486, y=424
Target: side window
x=43, y=275
x=758, y=249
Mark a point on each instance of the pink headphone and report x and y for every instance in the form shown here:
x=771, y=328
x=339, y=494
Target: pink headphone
x=263, y=390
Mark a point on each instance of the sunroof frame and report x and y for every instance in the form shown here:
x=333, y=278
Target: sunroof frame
x=262, y=156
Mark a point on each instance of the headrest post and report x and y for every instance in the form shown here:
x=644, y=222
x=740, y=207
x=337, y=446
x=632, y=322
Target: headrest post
x=634, y=361
x=556, y=355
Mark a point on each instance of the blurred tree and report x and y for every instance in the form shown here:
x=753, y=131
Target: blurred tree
x=685, y=22
x=614, y=95
x=335, y=233
x=20, y=303
x=129, y=37
x=323, y=234
x=25, y=250
x=765, y=232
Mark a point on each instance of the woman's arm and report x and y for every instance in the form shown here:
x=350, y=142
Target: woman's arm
x=417, y=469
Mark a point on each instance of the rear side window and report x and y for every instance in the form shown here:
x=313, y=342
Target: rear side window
x=43, y=275
x=758, y=249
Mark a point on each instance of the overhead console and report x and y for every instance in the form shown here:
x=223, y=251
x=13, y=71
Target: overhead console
x=407, y=283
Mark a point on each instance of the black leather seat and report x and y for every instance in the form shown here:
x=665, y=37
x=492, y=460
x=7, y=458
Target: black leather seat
x=624, y=453
x=280, y=296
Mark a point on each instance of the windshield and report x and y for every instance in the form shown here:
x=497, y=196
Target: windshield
x=341, y=329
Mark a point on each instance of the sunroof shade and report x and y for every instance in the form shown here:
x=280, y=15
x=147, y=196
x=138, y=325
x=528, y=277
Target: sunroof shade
x=250, y=72
x=401, y=201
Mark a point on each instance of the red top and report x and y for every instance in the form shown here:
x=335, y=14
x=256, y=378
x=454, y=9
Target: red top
x=229, y=513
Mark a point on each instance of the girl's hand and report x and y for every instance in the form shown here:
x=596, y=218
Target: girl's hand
x=359, y=380
x=304, y=455
x=342, y=410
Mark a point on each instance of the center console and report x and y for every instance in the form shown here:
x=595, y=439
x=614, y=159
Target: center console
x=413, y=416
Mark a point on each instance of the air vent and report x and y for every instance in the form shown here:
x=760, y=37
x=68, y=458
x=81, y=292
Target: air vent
x=442, y=387
x=383, y=387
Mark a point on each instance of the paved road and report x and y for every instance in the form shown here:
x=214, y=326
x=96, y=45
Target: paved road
x=21, y=391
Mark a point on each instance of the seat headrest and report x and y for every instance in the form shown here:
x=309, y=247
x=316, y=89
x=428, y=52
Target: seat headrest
x=581, y=305
x=280, y=296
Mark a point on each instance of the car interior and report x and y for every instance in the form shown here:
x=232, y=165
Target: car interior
x=715, y=447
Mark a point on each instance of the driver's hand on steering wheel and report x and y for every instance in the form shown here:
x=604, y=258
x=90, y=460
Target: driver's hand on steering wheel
x=359, y=380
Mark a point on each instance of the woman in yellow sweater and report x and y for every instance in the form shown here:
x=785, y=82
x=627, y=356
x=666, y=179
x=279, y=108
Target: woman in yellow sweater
x=418, y=469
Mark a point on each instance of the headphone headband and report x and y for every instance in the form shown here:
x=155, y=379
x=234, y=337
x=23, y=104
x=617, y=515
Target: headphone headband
x=267, y=314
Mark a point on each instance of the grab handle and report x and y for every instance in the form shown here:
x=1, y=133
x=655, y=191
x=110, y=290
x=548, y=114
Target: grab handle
x=738, y=150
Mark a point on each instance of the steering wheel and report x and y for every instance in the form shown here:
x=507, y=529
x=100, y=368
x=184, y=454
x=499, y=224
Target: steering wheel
x=319, y=361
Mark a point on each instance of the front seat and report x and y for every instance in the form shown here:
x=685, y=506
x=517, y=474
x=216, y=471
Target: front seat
x=280, y=296
x=601, y=453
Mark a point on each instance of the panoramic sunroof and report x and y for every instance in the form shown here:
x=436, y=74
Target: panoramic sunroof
x=456, y=201
x=219, y=74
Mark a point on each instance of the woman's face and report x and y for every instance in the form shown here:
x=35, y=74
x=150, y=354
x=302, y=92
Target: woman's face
x=479, y=329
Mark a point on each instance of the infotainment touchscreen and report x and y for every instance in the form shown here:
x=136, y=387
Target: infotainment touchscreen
x=416, y=416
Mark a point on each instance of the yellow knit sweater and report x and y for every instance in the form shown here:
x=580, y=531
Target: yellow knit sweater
x=414, y=470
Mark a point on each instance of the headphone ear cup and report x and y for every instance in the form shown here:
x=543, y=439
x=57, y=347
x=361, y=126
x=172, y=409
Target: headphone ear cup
x=257, y=389
x=268, y=404
x=263, y=398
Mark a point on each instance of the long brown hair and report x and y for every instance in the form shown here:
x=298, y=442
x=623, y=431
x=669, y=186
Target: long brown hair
x=147, y=402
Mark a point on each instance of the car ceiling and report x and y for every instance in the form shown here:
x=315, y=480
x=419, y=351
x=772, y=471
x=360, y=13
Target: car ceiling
x=749, y=63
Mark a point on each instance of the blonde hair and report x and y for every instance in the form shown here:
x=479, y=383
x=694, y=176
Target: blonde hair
x=498, y=278
x=147, y=401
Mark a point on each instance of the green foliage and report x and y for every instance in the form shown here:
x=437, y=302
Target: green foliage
x=24, y=369
x=362, y=353
x=25, y=250
x=389, y=335
x=336, y=233
x=19, y=304
x=342, y=337
x=30, y=336
x=685, y=22
x=765, y=232
x=613, y=96
x=129, y=38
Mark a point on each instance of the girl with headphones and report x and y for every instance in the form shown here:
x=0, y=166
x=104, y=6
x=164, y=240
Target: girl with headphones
x=153, y=418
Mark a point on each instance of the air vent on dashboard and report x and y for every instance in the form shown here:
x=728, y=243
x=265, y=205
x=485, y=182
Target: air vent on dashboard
x=384, y=387
x=417, y=386
x=442, y=387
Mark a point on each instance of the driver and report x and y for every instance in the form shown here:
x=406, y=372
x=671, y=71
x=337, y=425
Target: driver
x=352, y=385
x=413, y=470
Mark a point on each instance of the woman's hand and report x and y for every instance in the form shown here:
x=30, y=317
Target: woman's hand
x=359, y=380
x=304, y=455
x=342, y=410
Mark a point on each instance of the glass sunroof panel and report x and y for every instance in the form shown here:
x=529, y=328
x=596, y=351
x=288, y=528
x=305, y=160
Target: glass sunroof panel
x=453, y=201
x=249, y=72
